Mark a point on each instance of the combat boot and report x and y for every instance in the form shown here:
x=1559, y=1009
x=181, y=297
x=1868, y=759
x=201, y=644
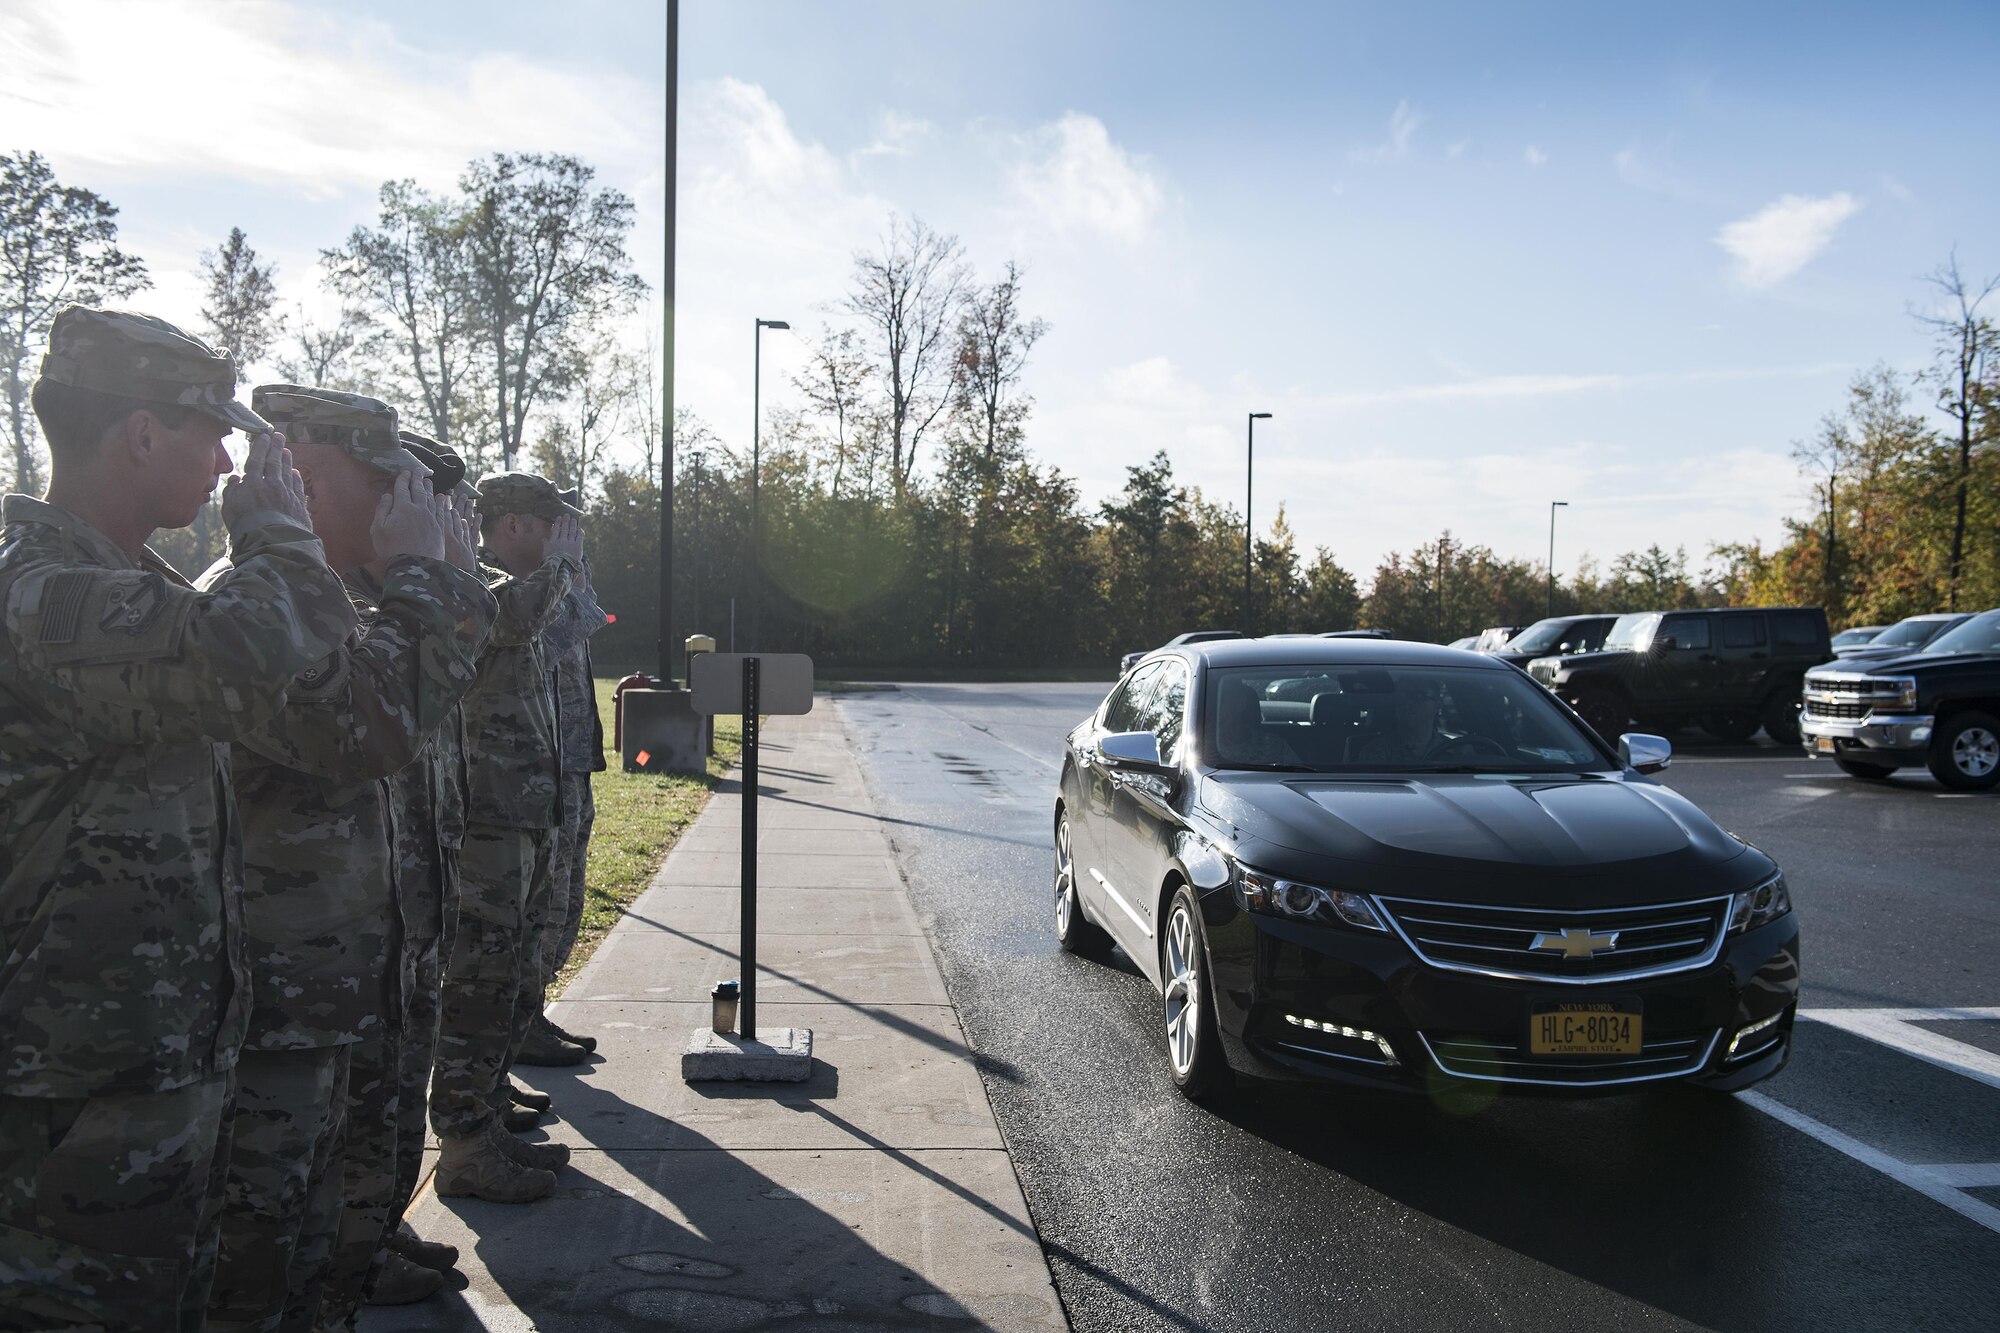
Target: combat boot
x=519, y=1118
x=544, y=1047
x=588, y=1043
x=532, y=1100
x=404, y=1282
x=475, y=1167
x=432, y=1254
x=542, y=1156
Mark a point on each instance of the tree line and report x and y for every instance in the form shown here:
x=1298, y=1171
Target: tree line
x=897, y=515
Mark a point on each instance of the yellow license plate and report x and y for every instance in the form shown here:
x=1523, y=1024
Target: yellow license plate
x=1585, y=1028
x=1822, y=745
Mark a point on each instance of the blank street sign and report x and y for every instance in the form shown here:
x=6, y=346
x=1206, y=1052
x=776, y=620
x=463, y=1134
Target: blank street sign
x=784, y=683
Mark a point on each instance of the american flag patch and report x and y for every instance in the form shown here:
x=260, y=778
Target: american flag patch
x=62, y=605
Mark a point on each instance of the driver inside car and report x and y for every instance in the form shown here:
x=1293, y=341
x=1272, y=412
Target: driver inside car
x=1408, y=730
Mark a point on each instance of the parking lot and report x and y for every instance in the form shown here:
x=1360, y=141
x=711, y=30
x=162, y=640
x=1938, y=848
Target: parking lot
x=1859, y=1189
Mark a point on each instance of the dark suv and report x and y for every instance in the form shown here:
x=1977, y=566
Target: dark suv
x=1732, y=669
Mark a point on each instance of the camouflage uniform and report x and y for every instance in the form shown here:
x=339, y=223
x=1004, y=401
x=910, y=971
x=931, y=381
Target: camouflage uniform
x=582, y=743
x=321, y=893
x=123, y=992
x=511, y=808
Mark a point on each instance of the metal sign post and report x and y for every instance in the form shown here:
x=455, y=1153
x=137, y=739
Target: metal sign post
x=751, y=685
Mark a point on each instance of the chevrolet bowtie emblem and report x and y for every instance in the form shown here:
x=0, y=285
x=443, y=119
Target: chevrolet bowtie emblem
x=1576, y=942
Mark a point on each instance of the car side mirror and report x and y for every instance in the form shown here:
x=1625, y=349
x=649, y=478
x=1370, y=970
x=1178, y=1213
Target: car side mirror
x=1664, y=643
x=1132, y=749
x=1644, y=754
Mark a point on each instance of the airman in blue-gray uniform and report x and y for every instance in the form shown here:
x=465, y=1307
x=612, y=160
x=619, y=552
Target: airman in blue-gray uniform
x=123, y=985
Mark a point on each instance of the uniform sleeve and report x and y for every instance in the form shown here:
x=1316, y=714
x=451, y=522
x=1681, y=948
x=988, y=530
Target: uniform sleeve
x=529, y=606
x=134, y=657
x=368, y=708
x=576, y=620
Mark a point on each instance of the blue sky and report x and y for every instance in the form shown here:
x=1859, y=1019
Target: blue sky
x=1473, y=258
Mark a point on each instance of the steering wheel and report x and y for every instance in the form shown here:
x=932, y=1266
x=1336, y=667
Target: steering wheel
x=1476, y=744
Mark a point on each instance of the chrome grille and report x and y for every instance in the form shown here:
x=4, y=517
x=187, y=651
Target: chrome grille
x=1500, y=941
x=1509, y=1062
x=1843, y=710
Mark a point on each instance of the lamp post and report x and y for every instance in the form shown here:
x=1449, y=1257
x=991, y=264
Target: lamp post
x=670, y=175
x=1553, y=506
x=756, y=471
x=1249, y=476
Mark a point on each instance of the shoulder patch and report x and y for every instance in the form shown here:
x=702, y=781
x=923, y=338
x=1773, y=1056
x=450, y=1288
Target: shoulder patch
x=324, y=679
x=62, y=605
x=131, y=608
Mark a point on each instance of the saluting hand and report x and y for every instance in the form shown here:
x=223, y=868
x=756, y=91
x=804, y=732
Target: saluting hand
x=461, y=541
x=405, y=522
x=268, y=481
x=565, y=538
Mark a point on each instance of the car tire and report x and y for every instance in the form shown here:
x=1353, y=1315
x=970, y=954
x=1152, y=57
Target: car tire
x=1732, y=726
x=1965, y=751
x=1780, y=716
x=1187, y=1009
x=1075, y=932
x=1605, y=710
x=1854, y=768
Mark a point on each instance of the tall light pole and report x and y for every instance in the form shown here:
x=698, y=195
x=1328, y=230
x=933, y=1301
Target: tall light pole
x=668, y=657
x=756, y=471
x=1553, y=506
x=1249, y=476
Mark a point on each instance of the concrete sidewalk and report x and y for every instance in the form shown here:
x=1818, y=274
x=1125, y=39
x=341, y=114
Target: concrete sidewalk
x=878, y=1194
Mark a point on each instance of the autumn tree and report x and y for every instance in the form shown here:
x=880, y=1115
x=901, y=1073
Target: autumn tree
x=58, y=245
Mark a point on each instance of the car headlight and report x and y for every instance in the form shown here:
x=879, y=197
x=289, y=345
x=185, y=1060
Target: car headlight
x=1906, y=690
x=1544, y=668
x=1306, y=902
x=1759, y=906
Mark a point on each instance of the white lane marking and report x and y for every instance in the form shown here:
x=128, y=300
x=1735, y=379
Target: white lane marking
x=1965, y=1175
x=1920, y=1179
x=1896, y=1029
x=1119, y=898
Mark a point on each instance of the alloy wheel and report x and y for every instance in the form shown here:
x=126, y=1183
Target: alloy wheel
x=1183, y=992
x=1065, y=881
x=1975, y=752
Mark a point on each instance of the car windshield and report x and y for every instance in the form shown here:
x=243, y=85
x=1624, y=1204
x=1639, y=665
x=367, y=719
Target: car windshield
x=1981, y=634
x=1538, y=637
x=1398, y=719
x=1633, y=633
x=1910, y=633
x=1847, y=638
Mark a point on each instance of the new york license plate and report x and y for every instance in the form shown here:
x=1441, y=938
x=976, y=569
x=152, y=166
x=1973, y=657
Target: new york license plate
x=1822, y=745
x=1586, y=1027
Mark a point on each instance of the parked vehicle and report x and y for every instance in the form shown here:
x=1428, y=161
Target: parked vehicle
x=1906, y=636
x=1401, y=866
x=1492, y=640
x=1939, y=708
x=1854, y=638
x=1464, y=643
x=1554, y=637
x=1732, y=669
x=1356, y=634
x=1130, y=660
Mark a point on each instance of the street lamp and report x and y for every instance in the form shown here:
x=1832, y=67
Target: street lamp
x=1249, y=474
x=1553, y=506
x=756, y=471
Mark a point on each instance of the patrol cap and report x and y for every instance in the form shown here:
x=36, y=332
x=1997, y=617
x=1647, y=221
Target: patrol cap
x=447, y=468
x=362, y=427
x=523, y=493
x=129, y=355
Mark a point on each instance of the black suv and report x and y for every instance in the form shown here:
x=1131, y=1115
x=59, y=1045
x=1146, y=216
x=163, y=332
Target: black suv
x=1554, y=637
x=1939, y=707
x=1732, y=669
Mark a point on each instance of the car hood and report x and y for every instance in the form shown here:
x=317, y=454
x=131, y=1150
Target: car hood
x=1918, y=661
x=1546, y=841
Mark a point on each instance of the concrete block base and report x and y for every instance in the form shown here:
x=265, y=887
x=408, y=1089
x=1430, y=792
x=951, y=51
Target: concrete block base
x=779, y=1055
x=662, y=733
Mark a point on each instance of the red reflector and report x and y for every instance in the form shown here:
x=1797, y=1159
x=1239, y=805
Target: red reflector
x=644, y=757
x=610, y=619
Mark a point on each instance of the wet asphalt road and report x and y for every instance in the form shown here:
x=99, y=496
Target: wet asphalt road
x=1341, y=1211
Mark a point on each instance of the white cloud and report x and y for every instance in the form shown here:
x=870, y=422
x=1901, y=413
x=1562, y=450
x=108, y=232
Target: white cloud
x=1403, y=123
x=896, y=134
x=1782, y=238
x=323, y=102
x=1534, y=156
x=1082, y=181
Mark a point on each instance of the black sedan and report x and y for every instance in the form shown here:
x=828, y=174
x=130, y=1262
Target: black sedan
x=1410, y=867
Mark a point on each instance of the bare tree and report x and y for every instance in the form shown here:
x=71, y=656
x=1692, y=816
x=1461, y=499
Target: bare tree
x=239, y=300
x=324, y=354
x=547, y=252
x=408, y=278
x=1966, y=342
x=835, y=386
x=58, y=244
x=907, y=295
x=993, y=346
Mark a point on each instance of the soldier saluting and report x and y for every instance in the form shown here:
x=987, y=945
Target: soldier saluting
x=123, y=993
